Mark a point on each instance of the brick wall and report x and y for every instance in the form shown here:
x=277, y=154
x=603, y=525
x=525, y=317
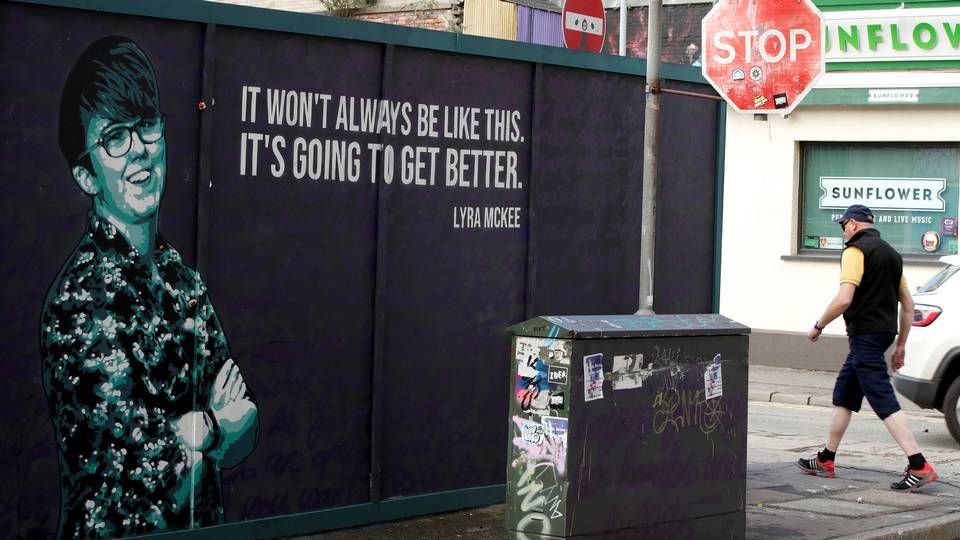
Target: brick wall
x=303, y=6
x=435, y=15
x=431, y=19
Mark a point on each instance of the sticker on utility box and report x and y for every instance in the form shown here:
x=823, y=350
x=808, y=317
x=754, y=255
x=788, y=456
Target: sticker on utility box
x=557, y=375
x=550, y=350
x=555, y=427
x=527, y=347
x=557, y=401
x=713, y=379
x=593, y=377
x=629, y=372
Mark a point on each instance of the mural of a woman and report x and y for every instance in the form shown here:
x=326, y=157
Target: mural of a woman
x=146, y=402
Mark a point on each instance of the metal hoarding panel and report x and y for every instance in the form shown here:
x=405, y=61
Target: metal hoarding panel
x=538, y=26
x=490, y=18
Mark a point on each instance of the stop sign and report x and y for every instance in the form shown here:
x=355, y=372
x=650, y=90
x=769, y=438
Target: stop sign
x=583, y=24
x=763, y=55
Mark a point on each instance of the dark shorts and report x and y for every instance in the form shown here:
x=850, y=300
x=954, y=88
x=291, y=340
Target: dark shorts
x=864, y=373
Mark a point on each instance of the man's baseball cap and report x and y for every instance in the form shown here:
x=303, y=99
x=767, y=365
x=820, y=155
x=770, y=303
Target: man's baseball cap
x=857, y=212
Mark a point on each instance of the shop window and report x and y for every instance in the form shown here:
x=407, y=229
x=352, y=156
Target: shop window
x=912, y=188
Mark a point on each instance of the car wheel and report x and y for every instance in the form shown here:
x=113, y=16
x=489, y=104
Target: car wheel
x=951, y=401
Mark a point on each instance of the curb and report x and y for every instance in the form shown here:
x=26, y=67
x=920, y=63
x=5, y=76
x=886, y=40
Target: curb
x=818, y=400
x=759, y=395
x=787, y=397
x=945, y=527
x=791, y=398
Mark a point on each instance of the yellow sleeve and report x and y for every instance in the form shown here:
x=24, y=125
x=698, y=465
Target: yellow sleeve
x=851, y=266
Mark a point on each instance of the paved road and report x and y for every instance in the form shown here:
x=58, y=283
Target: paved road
x=776, y=429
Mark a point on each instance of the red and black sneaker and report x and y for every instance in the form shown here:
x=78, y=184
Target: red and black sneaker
x=913, y=479
x=816, y=467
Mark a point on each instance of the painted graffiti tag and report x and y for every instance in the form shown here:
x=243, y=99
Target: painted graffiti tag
x=532, y=381
x=532, y=433
x=540, y=451
x=530, y=520
x=536, y=444
x=681, y=409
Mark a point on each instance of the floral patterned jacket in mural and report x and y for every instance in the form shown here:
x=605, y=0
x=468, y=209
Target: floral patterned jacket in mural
x=125, y=354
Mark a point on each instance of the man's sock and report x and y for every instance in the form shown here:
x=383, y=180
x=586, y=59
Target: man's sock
x=917, y=461
x=827, y=455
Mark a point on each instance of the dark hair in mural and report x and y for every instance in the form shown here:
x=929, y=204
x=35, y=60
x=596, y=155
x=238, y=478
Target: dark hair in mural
x=146, y=401
x=112, y=76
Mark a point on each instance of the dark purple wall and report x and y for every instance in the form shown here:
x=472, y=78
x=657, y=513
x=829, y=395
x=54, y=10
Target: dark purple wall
x=353, y=308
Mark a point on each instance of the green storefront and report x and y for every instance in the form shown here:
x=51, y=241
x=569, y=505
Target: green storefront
x=905, y=57
x=913, y=188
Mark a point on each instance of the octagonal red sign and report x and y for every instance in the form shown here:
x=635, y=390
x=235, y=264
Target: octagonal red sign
x=763, y=56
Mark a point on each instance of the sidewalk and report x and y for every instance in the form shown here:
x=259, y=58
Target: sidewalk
x=781, y=502
x=856, y=504
x=799, y=387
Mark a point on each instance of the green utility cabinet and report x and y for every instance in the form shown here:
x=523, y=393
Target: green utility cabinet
x=627, y=426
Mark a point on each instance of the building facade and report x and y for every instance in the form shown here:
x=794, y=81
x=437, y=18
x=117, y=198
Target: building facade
x=881, y=129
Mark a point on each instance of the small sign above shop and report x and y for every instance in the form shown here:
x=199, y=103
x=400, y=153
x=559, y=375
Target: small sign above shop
x=894, y=95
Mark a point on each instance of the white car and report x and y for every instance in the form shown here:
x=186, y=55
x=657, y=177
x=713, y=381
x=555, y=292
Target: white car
x=931, y=376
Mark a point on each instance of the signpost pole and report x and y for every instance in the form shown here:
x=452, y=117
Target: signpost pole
x=651, y=120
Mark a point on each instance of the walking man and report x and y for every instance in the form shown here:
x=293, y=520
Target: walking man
x=871, y=284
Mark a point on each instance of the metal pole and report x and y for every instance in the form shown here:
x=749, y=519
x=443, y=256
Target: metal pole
x=623, y=27
x=651, y=145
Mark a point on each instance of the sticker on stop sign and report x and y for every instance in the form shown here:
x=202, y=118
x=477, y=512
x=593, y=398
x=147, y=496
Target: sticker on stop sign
x=763, y=55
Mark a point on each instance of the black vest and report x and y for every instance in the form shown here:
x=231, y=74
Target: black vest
x=874, y=307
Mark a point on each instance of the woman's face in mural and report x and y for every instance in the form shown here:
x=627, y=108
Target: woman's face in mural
x=129, y=165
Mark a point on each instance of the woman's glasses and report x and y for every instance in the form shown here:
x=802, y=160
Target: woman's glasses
x=118, y=139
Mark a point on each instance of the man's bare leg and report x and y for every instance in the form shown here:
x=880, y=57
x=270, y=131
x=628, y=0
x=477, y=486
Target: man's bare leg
x=897, y=426
x=838, y=426
x=822, y=463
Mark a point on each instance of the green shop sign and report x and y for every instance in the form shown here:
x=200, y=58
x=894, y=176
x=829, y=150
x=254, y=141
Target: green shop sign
x=913, y=190
x=892, y=35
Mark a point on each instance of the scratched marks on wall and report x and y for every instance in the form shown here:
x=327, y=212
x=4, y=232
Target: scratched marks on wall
x=634, y=323
x=676, y=405
x=538, y=451
x=679, y=408
x=632, y=370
